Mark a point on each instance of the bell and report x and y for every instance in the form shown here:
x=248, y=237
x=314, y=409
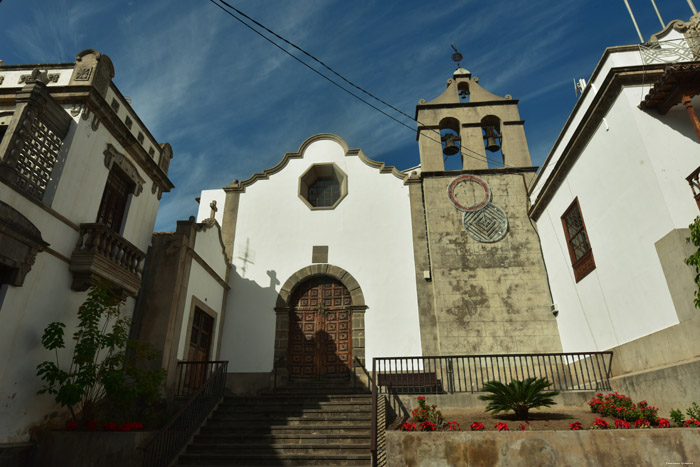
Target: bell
x=450, y=148
x=491, y=143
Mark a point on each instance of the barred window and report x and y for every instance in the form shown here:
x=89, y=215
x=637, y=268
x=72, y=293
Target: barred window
x=578, y=242
x=324, y=192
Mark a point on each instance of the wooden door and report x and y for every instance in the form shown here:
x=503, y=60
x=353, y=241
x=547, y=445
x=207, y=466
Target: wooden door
x=200, y=345
x=320, y=334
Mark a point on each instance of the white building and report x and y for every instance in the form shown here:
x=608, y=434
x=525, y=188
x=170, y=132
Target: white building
x=80, y=182
x=612, y=204
x=287, y=230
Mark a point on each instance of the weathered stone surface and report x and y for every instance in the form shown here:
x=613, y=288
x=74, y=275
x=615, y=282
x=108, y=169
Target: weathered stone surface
x=482, y=297
x=544, y=448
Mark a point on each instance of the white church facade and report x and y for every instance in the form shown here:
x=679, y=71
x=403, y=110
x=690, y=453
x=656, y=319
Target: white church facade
x=329, y=259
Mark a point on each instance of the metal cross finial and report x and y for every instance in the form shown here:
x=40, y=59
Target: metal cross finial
x=213, y=207
x=456, y=57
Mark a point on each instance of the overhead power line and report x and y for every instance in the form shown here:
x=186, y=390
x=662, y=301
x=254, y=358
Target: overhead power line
x=477, y=155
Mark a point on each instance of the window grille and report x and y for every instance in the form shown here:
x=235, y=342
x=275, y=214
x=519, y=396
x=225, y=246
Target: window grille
x=577, y=240
x=324, y=192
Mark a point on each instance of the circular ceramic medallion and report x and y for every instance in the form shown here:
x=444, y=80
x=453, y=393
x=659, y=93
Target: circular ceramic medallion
x=468, y=193
x=487, y=225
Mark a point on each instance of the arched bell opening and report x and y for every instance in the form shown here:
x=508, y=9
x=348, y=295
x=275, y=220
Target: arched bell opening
x=463, y=91
x=493, y=141
x=451, y=143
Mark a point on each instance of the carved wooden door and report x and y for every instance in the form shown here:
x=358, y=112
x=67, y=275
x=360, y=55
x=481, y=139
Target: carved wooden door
x=320, y=334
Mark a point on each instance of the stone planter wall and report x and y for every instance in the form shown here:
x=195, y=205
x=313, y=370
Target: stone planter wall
x=592, y=448
x=88, y=449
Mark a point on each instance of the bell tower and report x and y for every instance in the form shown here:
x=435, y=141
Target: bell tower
x=480, y=276
x=471, y=123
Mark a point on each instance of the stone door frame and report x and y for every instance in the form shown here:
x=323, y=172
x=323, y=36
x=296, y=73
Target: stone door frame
x=283, y=307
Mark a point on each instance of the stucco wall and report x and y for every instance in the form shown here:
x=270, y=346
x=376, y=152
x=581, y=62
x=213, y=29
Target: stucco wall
x=368, y=235
x=630, y=183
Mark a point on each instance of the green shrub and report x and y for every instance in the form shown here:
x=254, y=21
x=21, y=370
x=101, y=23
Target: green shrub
x=100, y=365
x=518, y=396
x=677, y=417
x=693, y=411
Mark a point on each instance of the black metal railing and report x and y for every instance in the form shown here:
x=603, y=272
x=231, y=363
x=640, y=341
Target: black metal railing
x=161, y=449
x=469, y=373
x=191, y=375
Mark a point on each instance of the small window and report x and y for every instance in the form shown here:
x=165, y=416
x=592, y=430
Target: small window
x=323, y=186
x=578, y=242
x=114, y=199
x=324, y=192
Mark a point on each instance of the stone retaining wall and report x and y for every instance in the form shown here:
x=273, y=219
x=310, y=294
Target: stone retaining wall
x=592, y=448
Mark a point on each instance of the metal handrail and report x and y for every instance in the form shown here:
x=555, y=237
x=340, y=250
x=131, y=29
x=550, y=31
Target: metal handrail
x=165, y=445
x=192, y=374
x=468, y=373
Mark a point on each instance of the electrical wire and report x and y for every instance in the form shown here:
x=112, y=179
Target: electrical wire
x=477, y=155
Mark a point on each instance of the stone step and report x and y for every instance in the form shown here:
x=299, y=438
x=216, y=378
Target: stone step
x=283, y=459
x=319, y=420
x=307, y=429
x=225, y=437
x=290, y=410
x=296, y=402
x=235, y=450
x=296, y=398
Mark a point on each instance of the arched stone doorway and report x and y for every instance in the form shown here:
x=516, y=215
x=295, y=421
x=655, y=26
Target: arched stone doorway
x=320, y=323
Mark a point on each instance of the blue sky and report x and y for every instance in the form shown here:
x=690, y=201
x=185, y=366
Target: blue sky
x=231, y=104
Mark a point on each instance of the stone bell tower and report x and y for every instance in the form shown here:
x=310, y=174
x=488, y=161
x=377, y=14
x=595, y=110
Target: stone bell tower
x=481, y=280
x=480, y=121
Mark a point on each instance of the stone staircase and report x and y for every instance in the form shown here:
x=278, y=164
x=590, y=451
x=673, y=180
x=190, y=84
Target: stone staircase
x=312, y=423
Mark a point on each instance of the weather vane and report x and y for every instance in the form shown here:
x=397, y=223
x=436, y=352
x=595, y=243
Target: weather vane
x=456, y=57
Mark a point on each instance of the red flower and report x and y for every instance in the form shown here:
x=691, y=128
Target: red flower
x=641, y=423
x=71, y=425
x=575, y=426
x=599, y=423
x=476, y=426
x=502, y=426
x=621, y=424
x=421, y=398
x=109, y=426
x=453, y=426
x=92, y=426
x=663, y=423
x=692, y=421
x=408, y=427
x=427, y=426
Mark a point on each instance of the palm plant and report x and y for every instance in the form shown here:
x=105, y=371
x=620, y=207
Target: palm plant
x=519, y=396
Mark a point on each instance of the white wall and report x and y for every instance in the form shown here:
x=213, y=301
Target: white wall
x=368, y=235
x=630, y=182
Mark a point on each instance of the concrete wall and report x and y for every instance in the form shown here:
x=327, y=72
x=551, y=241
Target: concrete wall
x=592, y=448
x=483, y=297
x=368, y=235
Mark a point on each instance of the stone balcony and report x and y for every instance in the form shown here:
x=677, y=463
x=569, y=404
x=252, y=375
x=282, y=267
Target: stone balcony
x=103, y=255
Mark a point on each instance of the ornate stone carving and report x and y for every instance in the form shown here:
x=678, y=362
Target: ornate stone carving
x=115, y=105
x=128, y=122
x=2, y=78
x=21, y=242
x=75, y=110
x=112, y=157
x=482, y=220
x=83, y=73
x=95, y=124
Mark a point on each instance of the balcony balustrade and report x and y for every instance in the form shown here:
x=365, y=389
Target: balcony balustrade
x=103, y=255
